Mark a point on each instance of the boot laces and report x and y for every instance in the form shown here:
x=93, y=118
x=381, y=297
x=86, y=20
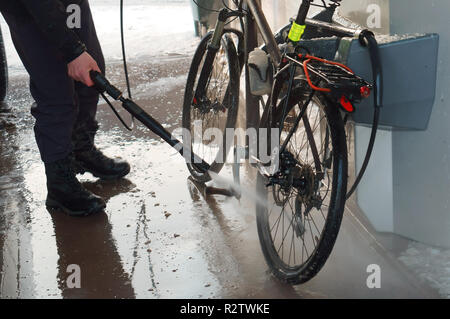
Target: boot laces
x=69, y=174
x=99, y=156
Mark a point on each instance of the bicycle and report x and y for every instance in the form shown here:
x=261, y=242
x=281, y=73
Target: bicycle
x=306, y=101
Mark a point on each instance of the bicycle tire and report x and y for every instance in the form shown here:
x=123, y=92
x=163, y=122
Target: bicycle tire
x=301, y=273
x=3, y=70
x=230, y=52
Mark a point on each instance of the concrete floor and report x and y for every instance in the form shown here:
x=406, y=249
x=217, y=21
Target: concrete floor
x=159, y=237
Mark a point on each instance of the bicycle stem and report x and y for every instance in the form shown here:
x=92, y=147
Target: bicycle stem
x=303, y=12
x=103, y=85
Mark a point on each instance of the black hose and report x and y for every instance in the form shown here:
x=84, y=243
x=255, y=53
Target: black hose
x=115, y=112
x=127, y=78
x=125, y=65
x=367, y=38
x=124, y=56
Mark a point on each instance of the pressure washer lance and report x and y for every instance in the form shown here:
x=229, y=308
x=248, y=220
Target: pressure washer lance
x=103, y=85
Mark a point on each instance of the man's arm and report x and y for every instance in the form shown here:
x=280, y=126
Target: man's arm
x=51, y=17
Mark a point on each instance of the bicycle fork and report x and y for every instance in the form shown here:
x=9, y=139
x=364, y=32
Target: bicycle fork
x=211, y=53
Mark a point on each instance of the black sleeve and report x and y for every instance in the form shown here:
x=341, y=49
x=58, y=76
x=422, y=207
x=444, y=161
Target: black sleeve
x=51, y=17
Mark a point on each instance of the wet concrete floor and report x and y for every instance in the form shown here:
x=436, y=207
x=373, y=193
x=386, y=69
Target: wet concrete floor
x=159, y=236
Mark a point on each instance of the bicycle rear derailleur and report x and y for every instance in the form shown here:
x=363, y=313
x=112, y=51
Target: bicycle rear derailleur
x=292, y=175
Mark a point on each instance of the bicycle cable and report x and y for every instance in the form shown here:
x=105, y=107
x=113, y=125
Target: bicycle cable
x=324, y=4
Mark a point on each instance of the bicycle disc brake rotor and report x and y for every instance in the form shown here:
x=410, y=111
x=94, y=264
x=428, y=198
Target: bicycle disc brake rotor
x=307, y=177
x=298, y=224
x=280, y=195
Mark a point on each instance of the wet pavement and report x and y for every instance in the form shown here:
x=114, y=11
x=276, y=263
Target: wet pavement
x=160, y=237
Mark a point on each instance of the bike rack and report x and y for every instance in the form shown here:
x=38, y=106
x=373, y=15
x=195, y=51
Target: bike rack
x=410, y=67
x=410, y=70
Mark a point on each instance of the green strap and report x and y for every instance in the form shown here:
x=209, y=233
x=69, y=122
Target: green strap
x=296, y=32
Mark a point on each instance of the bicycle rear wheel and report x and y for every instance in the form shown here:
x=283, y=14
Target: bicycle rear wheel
x=212, y=114
x=298, y=219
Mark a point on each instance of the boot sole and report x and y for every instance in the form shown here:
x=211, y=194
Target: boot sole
x=55, y=205
x=82, y=170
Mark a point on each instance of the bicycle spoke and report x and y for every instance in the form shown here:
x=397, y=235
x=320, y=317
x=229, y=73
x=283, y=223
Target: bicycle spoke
x=211, y=111
x=284, y=237
x=278, y=223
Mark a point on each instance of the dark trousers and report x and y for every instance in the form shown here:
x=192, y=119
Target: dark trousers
x=64, y=109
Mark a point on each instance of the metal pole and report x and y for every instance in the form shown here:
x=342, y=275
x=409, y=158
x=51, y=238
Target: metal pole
x=251, y=101
x=3, y=70
x=266, y=32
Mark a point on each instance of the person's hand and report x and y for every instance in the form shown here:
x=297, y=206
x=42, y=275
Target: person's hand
x=80, y=67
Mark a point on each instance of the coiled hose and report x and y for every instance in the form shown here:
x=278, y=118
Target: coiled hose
x=367, y=38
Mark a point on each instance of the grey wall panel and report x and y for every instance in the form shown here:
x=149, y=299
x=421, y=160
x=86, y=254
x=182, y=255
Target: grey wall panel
x=422, y=158
x=409, y=72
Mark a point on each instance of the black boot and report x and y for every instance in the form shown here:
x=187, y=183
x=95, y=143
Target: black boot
x=89, y=159
x=66, y=193
x=96, y=163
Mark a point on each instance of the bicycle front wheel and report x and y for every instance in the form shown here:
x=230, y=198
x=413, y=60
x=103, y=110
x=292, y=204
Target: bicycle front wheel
x=300, y=214
x=206, y=118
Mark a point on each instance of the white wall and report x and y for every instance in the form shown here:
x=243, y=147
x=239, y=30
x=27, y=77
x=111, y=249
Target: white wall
x=365, y=12
x=422, y=159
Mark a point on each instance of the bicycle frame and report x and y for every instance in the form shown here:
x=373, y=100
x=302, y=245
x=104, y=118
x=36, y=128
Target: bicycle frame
x=271, y=45
x=323, y=29
x=265, y=30
x=299, y=175
x=315, y=29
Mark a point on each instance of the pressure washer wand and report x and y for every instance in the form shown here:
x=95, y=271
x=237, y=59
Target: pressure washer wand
x=103, y=85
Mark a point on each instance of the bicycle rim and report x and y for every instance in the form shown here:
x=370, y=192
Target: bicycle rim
x=206, y=121
x=298, y=227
